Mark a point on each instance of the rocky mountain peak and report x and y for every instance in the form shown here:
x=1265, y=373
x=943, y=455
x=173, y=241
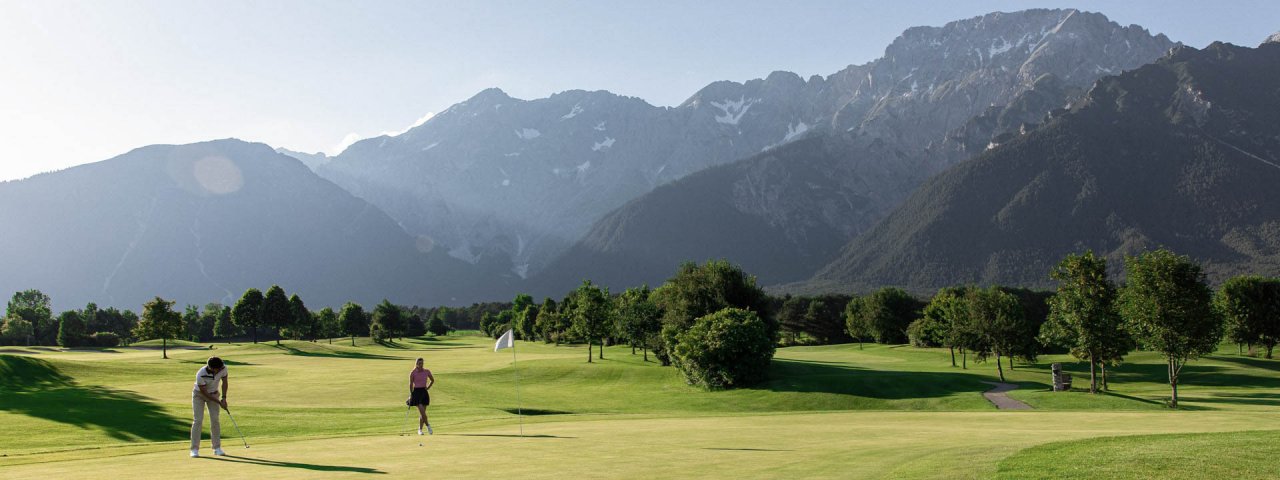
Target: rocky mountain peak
x=1274, y=38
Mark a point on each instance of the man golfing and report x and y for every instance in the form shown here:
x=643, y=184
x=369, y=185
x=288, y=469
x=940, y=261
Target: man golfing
x=418, y=386
x=205, y=395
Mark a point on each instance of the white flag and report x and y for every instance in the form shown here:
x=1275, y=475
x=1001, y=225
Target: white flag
x=505, y=341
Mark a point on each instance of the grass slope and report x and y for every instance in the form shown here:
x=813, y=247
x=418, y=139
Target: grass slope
x=333, y=409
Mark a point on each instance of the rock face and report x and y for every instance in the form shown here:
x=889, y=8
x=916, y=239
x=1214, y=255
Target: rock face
x=515, y=183
x=939, y=95
x=1183, y=153
x=203, y=222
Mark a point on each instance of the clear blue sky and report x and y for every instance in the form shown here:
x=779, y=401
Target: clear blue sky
x=84, y=81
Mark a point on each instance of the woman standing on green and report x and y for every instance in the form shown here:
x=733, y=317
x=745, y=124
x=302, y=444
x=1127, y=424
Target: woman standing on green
x=420, y=380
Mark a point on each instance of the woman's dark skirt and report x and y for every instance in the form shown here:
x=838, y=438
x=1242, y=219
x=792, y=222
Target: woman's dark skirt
x=419, y=397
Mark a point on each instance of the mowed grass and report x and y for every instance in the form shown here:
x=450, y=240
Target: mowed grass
x=321, y=409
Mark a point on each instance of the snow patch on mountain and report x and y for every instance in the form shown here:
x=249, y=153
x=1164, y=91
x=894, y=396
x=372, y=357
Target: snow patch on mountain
x=429, y=147
x=600, y=127
x=602, y=145
x=794, y=131
x=733, y=110
x=572, y=113
x=528, y=133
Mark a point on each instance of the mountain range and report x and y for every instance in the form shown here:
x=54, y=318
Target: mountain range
x=979, y=151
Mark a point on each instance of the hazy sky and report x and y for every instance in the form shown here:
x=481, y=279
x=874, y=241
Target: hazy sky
x=85, y=81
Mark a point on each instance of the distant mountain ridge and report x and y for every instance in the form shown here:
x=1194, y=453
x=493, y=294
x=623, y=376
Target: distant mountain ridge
x=504, y=180
x=1183, y=153
x=203, y=222
x=938, y=96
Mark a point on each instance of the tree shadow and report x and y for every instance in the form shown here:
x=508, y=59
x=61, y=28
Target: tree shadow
x=825, y=377
x=289, y=350
x=304, y=466
x=535, y=411
x=1192, y=374
x=1264, y=364
x=36, y=388
x=502, y=435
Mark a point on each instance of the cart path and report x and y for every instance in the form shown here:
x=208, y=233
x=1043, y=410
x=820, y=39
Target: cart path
x=1002, y=401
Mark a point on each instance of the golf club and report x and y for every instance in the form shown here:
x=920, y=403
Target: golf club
x=404, y=428
x=233, y=422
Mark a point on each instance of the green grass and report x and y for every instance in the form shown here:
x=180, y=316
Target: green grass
x=826, y=411
x=1251, y=454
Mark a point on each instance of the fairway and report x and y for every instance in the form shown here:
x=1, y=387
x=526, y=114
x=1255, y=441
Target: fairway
x=329, y=410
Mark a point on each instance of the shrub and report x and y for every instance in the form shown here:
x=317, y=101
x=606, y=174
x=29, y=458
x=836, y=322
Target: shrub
x=437, y=327
x=926, y=332
x=726, y=349
x=104, y=339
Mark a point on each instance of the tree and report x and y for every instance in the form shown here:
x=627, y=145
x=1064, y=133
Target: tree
x=302, y=324
x=437, y=326
x=190, y=323
x=118, y=322
x=590, y=314
x=853, y=321
x=92, y=324
x=548, y=324
x=824, y=320
x=387, y=318
x=353, y=320
x=886, y=314
x=159, y=320
x=247, y=313
x=726, y=349
x=699, y=290
x=790, y=318
x=415, y=327
x=70, y=329
x=276, y=312
x=639, y=319
x=16, y=329
x=1082, y=314
x=1250, y=306
x=35, y=307
x=327, y=320
x=1168, y=307
x=523, y=330
x=208, y=323
x=223, y=327
x=998, y=323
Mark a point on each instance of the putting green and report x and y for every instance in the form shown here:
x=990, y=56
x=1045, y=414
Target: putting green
x=316, y=409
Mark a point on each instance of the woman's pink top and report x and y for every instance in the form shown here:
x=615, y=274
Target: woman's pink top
x=419, y=377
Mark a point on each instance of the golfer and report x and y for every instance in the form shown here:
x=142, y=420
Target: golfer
x=420, y=380
x=205, y=395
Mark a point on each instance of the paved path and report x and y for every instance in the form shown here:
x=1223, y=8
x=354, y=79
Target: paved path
x=1003, y=402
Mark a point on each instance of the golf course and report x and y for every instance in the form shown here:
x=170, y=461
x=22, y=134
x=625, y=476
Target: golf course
x=323, y=409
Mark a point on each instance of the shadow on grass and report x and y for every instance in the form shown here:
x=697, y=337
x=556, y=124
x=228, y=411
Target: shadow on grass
x=36, y=388
x=334, y=354
x=824, y=377
x=304, y=466
x=1192, y=374
x=535, y=411
x=502, y=435
x=1261, y=363
x=748, y=449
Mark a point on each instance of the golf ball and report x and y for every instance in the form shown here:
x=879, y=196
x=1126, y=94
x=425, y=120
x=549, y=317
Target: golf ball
x=419, y=444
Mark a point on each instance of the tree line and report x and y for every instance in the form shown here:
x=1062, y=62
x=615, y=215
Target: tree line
x=720, y=329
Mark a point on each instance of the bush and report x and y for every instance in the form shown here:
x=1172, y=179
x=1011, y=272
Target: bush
x=379, y=333
x=104, y=339
x=726, y=349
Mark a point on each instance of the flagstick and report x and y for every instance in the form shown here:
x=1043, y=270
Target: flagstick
x=516, y=371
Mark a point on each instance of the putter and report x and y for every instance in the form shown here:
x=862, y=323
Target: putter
x=233, y=422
